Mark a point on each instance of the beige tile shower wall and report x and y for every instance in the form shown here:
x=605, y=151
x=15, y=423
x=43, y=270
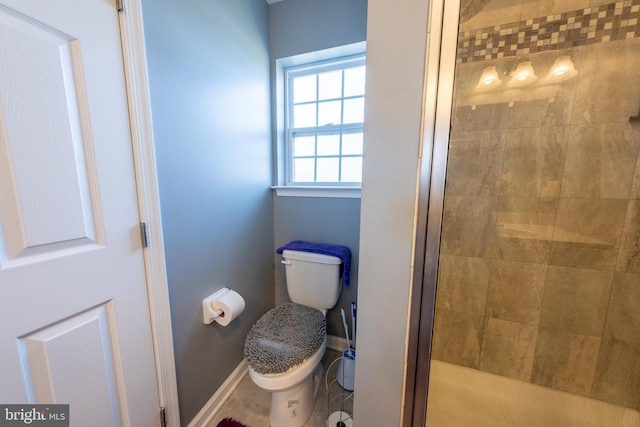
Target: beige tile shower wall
x=507, y=11
x=552, y=30
x=539, y=275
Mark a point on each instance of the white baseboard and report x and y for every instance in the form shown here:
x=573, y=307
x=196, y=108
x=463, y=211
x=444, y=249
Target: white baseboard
x=336, y=343
x=209, y=410
x=221, y=395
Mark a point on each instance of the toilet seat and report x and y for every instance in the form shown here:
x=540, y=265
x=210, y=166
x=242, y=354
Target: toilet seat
x=284, y=338
x=290, y=378
x=285, y=346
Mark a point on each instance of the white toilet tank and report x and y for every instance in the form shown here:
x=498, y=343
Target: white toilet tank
x=312, y=279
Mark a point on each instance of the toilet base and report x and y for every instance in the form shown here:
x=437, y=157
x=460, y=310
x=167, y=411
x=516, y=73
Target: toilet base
x=292, y=407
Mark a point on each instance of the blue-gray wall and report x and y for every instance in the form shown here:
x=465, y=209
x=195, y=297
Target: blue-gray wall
x=210, y=92
x=298, y=27
x=302, y=26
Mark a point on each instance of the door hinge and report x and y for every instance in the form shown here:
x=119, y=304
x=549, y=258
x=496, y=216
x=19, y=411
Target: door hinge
x=163, y=418
x=120, y=5
x=144, y=238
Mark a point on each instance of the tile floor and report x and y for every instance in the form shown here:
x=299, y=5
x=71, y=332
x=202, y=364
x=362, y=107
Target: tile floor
x=250, y=405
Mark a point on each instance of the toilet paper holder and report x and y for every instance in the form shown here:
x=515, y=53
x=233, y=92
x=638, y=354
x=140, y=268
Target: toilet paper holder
x=211, y=309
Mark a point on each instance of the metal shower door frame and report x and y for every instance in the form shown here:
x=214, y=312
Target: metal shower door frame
x=437, y=106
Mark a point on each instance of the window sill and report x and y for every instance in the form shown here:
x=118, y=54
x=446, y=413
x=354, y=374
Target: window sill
x=313, y=191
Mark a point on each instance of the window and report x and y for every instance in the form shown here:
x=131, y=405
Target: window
x=325, y=114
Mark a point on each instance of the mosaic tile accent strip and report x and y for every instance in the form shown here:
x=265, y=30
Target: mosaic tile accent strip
x=604, y=23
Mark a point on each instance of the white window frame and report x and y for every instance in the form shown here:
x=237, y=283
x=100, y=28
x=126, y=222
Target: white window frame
x=314, y=68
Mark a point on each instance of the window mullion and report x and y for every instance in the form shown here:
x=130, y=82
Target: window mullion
x=340, y=160
x=341, y=123
x=315, y=159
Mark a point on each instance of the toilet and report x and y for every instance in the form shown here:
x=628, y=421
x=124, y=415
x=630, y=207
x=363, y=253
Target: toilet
x=285, y=347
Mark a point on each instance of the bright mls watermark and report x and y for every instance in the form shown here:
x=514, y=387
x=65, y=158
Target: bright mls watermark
x=34, y=415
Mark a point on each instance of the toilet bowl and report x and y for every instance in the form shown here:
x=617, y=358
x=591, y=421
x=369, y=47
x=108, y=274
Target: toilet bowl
x=284, y=350
x=292, y=392
x=292, y=377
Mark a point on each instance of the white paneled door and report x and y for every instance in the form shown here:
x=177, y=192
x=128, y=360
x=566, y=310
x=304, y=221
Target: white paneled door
x=74, y=313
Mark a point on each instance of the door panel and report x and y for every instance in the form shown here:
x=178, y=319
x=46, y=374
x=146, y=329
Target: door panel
x=75, y=325
x=52, y=372
x=47, y=164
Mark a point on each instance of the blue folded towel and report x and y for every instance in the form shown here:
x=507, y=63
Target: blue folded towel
x=341, y=252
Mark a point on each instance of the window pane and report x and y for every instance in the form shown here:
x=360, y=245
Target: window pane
x=303, y=170
x=304, y=146
x=330, y=85
x=328, y=169
x=354, y=79
x=351, y=169
x=329, y=145
x=304, y=115
x=329, y=113
x=325, y=113
x=354, y=110
x=304, y=88
x=352, y=143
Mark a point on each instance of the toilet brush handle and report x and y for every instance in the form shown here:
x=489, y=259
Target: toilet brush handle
x=344, y=324
x=353, y=323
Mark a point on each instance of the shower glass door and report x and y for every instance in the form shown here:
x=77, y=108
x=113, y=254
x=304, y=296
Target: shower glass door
x=538, y=292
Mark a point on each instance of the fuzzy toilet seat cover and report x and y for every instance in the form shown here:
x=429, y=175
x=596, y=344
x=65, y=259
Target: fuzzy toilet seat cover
x=284, y=337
